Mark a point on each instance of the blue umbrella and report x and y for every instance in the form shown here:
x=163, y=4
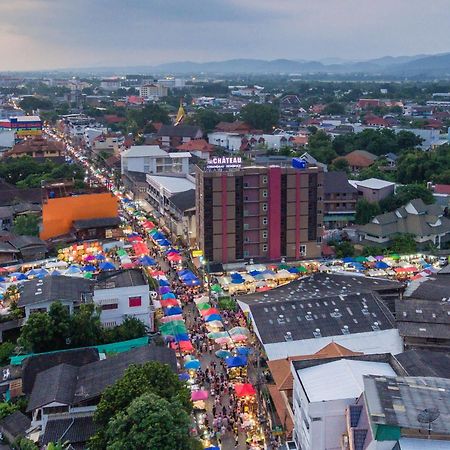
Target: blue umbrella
x=213, y=317
x=73, y=270
x=107, y=265
x=183, y=376
x=236, y=361
x=100, y=257
x=2, y=280
x=89, y=268
x=168, y=295
x=347, y=259
x=212, y=448
x=32, y=272
x=19, y=276
x=55, y=273
x=223, y=354
x=242, y=351
x=193, y=364
x=381, y=265
x=293, y=270
x=181, y=337
x=255, y=272
x=173, y=311
x=147, y=261
x=164, y=283
x=191, y=282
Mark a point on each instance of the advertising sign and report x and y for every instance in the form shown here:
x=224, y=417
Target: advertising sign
x=224, y=163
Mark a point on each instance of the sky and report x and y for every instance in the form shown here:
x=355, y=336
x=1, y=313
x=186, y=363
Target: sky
x=54, y=34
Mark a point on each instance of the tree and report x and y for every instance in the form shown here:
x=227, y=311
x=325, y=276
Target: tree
x=261, y=117
x=151, y=377
x=150, y=422
x=340, y=165
x=36, y=335
x=206, y=119
x=6, y=350
x=29, y=104
x=320, y=147
x=366, y=211
x=130, y=328
x=343, y=249
x=404, y=195
x=334, y=109
x=86, y=328
x=22, y=443
x=26, y=225
x=403, y=243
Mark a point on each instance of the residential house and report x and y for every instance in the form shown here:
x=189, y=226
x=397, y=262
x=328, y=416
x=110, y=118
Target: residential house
x=100, y=228
x=31, y=248
x=429, y=224
x=64, y=397
x=151, y=159
x=108, y=143
x=441, y=194
x=14, y=426
x=171, y=136
x=197, y=147
x=339, y=202
x=37, y=295
x=374, y=189
x=321, y=394
x=136, y=184
x=358, y=160
x=402, y=413
x=121, y=294
x=233, y=127
x=39, y=148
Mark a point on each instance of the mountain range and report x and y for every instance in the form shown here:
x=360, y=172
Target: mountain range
x=415, y=67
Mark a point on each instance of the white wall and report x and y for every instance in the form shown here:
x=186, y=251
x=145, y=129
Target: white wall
x=120, y=296
x=383, y=341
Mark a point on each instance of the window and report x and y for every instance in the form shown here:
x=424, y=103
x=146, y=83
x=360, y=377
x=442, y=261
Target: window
x=110, y=306
x=134, y=301
x=264, y=193
x=265, y=247
x=264, y=221
x=264, y=234
x=303, y=250
x=264, y=179
x=264, y=207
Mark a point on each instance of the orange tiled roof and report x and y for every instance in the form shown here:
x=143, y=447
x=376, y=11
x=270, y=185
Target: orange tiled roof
x=196, y=145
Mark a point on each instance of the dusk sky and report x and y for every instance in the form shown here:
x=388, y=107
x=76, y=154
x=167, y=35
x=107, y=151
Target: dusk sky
x=47, y=34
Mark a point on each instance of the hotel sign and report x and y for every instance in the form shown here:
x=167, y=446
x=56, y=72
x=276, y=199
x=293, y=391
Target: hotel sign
x=224, y=163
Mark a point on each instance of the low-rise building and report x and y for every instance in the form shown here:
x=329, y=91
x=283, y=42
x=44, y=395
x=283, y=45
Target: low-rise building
x=374, y=189
x=358, y=160
x=151, y=159
x=321, y=394
x=429, y=224
x=339, y=203
x=121, y=294
x=171, y=136
x=39, y=148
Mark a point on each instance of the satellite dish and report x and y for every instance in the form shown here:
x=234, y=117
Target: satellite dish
x=428, y=415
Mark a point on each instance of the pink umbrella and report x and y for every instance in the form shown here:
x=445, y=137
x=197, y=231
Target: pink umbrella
x=89, y=258
x=223, y=340
x=199, y=395
x=171, y=318
x=239, y=338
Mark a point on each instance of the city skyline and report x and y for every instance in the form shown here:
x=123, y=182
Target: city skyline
x=49, y=34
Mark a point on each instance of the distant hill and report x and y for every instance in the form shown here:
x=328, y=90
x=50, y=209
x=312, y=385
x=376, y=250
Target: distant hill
x=419, y=66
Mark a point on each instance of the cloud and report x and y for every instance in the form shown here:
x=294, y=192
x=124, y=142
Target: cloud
x=60, y=33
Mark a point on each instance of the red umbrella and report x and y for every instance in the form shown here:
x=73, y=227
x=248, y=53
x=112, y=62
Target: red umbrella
x=184, y=346
x=169, y=302
x=208, y=312
x=175, y=257
x=244, y=389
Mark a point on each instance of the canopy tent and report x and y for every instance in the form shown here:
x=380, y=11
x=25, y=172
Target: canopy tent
x=147, y=261
x=164, y=290
x=192, y=364
x=89, y=268
x=236, y=361
x=240, y=330
x=244, y=389
x=183, y=376
x=184, y=346
x=208, y=312
x=169, y=302
x=107, y=265
x=163, y=282
x=199, y=395
x=213, y=317
x=168, y=295
x=202, y=306
x=223, y=354
x=167, y=319
x=381, y=265
x=172, y=311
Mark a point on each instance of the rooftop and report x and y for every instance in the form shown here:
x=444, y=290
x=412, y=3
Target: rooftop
x=51, y=289
x=424, y=363
x=96, y=223
x=347, y=376
x=184, y=200
x=337, y=182
x=374, y=183
x=315, y=317
x=397, y=401
x=172, y=184
x=119, y=279
x=15, y=424
x=137, y=151
x=191, y=131
x=72, y=385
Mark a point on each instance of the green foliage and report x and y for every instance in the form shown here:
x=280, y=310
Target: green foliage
x=403, y=243
x=261, y=117
x=26, y=225
x=150, y=422
x=6, y=350
x=320, y=147
x=150, y=378
x=334, y=109
x=378, y=142
x=343, y=249
x=138, y=119
x=26, y=172
x=24, y=444
x=340, y=165
x=366, y=211
x=405, y=194
x=130, y=328
x=206, y=119
x=227, y=303
x=30, y=104
x=420, y=167
x=57, y=329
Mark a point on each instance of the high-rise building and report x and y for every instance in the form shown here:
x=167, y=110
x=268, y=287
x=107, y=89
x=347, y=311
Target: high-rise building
x=263, y=213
